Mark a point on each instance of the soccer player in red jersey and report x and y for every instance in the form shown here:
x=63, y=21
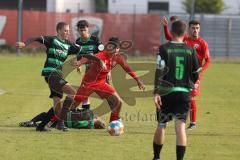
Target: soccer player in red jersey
x=94, y=79
x=200, y=45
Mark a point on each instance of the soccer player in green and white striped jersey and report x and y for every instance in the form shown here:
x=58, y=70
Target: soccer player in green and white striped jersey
x=90, y=45
x=58, y=49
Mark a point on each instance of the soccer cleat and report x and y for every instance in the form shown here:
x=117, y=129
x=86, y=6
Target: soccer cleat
x=156, y=159
x=61, y=126
x=192, y=126
x=28, y=124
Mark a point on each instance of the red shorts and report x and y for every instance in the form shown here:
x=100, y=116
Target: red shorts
x=104, y=90
x=196, y=91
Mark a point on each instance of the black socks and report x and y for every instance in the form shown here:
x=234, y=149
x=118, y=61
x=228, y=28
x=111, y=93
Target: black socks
x=180, y=150
x=39, y=117
x=47, y=118
x=157, y=149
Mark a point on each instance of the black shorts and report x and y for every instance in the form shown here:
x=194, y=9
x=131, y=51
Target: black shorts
x=55, y=83
x=174, y=105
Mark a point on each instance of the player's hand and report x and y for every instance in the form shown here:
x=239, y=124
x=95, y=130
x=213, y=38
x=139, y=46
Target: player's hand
x=141, y=85
x=157, y=101
x=164, y=21
x=20, y=45
x=196, y=85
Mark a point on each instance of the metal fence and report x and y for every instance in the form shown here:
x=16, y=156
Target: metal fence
x=222, y=32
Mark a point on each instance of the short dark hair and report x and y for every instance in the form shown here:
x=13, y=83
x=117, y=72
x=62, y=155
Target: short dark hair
x=82, y=24
x=174, y=18
x=179, y=28
x=194, y=22
x=60, y=25
x=114, y=40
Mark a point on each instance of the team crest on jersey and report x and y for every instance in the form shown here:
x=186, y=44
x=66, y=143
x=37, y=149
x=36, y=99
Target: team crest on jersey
x=91, y=47
x=196, y=46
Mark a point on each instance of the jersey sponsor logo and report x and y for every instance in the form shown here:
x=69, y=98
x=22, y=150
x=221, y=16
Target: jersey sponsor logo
x=88, y=48
x=64, y=52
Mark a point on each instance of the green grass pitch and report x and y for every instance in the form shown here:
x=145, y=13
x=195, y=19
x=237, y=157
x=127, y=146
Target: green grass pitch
x=26, y=94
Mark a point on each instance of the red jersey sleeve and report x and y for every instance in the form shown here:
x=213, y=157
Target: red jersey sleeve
x=167, y=33
x=206, y=57
x=121, y=61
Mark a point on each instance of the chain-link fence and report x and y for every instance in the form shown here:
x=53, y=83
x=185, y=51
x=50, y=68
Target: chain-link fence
x=222, y=32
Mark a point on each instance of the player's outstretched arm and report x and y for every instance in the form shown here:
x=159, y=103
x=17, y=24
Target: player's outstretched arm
x=21, y=45
x=121, y=61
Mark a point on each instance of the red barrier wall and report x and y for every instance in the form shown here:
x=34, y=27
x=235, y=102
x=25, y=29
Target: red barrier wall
x=142, y=29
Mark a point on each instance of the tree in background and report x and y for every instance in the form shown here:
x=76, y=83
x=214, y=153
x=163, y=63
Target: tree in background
x=101, y=5
x=205, y=6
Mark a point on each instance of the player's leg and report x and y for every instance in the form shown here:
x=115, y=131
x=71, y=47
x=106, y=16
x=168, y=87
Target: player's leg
x=33, y=122
x=159, y=136
x=47, y=118
x=115, y=104
x=193, y=113
x=70, y=91
x=39, y=117
x=82, y=95
x=193, y=106
x=158, y=141
x=181, y=108
x=105, y=91
x=181, y=139
x=56, y=96
x=71, y=102
x=57, y=104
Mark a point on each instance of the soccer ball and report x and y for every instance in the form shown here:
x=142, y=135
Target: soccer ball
x=115, y=128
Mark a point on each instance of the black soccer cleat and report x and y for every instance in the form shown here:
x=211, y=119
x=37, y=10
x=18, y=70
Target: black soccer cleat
x=28, y=124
